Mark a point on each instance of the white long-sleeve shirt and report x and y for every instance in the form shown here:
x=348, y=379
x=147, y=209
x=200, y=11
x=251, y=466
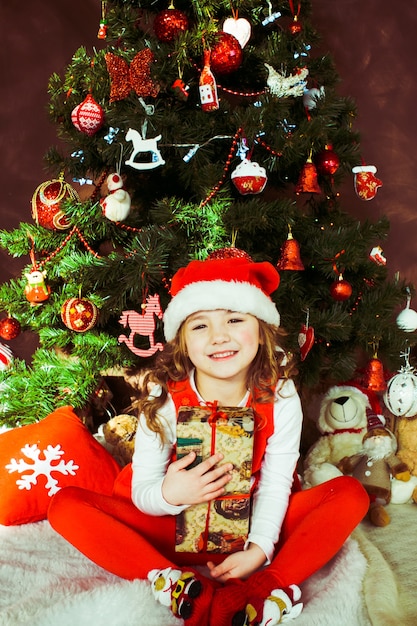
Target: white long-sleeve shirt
x=270, y=500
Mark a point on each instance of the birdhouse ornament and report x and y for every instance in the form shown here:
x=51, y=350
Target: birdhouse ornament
x=116, y=206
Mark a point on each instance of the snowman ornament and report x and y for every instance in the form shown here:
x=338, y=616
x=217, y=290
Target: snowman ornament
x=116, y=206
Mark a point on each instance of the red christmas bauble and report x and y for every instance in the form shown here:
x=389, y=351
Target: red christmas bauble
x=79, y=314
x=226, y=54
x=9, y=328
x=295, y=27
x=327, y=161
x=47, y=204
x=341, y=289
x=169, y=24
x=230, y=253
x=88, y=116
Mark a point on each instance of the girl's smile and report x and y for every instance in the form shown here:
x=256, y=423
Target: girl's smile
x=221, y=345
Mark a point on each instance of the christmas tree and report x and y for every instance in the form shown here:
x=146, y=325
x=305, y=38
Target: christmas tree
x=191, y=130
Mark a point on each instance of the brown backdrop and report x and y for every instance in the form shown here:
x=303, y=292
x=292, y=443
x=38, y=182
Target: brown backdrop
x=373, y=44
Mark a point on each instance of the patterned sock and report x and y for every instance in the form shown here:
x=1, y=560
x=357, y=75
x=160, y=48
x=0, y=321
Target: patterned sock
x=188, y=594
x=273, y=607
x=229, y=600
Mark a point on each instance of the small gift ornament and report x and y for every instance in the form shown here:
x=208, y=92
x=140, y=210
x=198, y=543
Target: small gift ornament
x=365, y=182
x=249, y=177
x=88, y=117
x=116, y=206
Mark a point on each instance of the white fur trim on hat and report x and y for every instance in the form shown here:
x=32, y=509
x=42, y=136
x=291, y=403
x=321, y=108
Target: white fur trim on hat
x=241, y=297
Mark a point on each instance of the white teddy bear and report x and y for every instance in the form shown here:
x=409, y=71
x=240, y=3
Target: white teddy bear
x=342, y=423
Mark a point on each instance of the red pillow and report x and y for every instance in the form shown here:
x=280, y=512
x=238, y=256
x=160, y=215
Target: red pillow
x=38, y=460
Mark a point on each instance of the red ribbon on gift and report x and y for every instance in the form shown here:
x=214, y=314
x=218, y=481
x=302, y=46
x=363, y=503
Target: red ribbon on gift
x=215, y=415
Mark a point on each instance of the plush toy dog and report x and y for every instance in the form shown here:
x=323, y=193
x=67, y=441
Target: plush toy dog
x=342, y=423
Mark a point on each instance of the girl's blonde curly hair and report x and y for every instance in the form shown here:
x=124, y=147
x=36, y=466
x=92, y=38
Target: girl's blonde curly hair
x=270, y=365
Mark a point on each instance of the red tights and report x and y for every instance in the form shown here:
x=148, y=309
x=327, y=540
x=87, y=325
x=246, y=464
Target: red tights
x=113, y=533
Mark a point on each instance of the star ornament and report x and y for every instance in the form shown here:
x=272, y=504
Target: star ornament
x=135, y=76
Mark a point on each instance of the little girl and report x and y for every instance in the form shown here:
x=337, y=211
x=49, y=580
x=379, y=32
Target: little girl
x=222, y=332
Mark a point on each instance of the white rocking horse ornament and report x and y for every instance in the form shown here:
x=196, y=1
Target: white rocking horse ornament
x=142, y=324
x=143, y=146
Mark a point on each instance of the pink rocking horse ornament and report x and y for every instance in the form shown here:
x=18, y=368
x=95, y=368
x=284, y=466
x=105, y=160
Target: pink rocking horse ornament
x=142, y=324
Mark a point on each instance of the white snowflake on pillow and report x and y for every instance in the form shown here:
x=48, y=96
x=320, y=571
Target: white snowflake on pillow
x=41, y=466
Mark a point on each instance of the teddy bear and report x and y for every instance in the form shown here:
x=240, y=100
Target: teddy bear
x=375, y=466
x=119, y=435
x=342, y=422
x=406, y=431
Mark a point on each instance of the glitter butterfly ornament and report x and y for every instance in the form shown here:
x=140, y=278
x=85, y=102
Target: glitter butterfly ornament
x=135, y=76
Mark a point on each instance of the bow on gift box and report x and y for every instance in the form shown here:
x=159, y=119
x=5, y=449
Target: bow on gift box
x=134, y=77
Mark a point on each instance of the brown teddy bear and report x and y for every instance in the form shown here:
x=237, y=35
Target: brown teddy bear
x=119, y=433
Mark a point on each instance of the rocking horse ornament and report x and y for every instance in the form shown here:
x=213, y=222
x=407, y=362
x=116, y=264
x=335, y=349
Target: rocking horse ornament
x=141, y=147
x=144, y=325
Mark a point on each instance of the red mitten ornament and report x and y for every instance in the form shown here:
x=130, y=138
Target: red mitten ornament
x=88, y=117
x=365, y=182
x=249, y=177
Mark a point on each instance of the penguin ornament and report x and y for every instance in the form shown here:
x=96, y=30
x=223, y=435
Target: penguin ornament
x=115, y=206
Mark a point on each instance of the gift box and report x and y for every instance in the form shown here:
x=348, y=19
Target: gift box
x=223, y=524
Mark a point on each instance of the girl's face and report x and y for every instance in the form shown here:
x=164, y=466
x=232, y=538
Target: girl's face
x=221, y=344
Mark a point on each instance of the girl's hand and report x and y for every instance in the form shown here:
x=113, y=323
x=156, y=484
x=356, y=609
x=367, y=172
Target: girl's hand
x=239, y=564
x=202, y=483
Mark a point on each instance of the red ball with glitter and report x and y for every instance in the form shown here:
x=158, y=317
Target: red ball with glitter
x=47, y=210
x=169, y=24
x=88, y=116
x=226, y=54
x=9, y=328
x=327, y=162
x=79, y=314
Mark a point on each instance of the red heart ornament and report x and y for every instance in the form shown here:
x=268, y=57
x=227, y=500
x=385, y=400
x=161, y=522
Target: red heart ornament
x=305, y=340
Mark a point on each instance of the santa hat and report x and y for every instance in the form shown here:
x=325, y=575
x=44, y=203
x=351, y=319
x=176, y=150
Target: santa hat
x=235, y=284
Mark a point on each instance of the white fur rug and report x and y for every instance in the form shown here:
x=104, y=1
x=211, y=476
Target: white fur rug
x=44, y=581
